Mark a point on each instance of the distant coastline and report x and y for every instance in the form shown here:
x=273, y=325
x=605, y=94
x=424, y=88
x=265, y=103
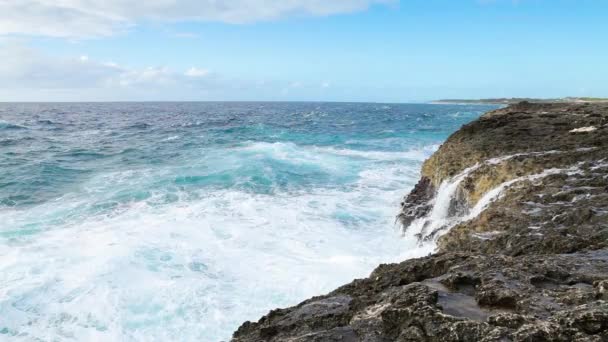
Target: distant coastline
x=514, y=100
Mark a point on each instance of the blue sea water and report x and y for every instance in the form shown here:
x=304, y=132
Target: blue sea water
x=179, y=221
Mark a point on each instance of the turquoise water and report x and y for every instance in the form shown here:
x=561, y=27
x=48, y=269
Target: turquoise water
x=179, y=221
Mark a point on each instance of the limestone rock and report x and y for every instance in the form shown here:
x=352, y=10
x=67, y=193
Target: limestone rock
x=531, y=264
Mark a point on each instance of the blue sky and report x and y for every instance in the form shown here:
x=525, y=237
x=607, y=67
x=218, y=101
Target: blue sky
x=340, y=50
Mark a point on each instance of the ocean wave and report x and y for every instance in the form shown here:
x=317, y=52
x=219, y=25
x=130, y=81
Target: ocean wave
x=140, y=125
x=8, y=125
x=124, y=236
x=417, y=154
x=287, y=150
x=170, y=138
x=9, y=142
x=80, y=153
x=46, y=122
x=103, y=267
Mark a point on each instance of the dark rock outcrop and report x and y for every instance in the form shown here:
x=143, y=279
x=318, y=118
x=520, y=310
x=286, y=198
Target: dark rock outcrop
x=418, y=203
x=523, y=255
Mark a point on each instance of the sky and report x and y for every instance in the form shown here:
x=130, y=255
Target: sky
x=301, y=50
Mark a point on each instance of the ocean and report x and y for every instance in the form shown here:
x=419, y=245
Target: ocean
x=180, y=221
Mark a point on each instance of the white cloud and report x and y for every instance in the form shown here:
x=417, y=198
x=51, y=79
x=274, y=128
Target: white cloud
x=150, y=76
x=90, y=18
x=196, y=72
x=28, y=74
x=26, y=68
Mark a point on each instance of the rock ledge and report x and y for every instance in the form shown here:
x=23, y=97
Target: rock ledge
x=522, y=194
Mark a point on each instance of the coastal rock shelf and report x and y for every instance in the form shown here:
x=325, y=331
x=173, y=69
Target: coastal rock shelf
x=517, y=205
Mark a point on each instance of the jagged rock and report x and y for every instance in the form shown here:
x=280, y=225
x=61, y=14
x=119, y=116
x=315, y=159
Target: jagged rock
x=418, y=202
x=531, y=266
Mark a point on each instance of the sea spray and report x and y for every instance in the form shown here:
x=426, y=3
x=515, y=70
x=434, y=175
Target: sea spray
x=440, y=215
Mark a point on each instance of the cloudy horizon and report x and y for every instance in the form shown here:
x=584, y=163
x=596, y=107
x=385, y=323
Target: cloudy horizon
x=343, y=50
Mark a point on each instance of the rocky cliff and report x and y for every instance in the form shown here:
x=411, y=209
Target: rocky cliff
x=517, y=204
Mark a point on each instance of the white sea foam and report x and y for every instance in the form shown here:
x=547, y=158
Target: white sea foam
x=197, y=266
x=288, y=150
x=415, y=154
x=584, y=129
x=173, y=137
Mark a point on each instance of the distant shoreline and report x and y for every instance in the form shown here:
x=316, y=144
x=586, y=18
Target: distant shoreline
x=514, y=100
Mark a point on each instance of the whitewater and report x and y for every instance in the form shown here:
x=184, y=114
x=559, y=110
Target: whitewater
x=180, y=221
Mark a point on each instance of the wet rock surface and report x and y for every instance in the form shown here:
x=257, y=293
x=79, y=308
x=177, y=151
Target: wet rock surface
x=531, y=265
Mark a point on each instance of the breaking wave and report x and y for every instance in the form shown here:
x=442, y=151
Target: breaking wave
x=142, y=226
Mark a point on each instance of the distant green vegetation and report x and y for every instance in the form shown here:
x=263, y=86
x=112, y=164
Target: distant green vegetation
x=592, y=99
x=488, y=101
x=513, y=100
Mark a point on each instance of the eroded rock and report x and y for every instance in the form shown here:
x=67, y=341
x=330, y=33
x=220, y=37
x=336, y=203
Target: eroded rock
x=532, y=265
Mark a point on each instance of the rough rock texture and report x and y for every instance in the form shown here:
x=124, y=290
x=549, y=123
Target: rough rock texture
x=531, y=266
x=418, y=203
